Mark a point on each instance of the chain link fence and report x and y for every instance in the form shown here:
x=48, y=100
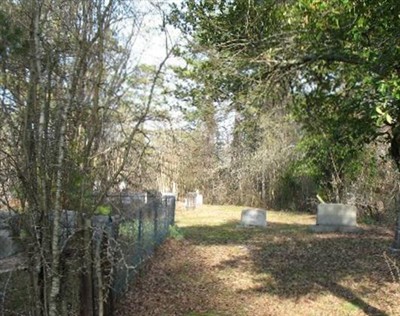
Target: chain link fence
x=143, y=224
x=101, y=255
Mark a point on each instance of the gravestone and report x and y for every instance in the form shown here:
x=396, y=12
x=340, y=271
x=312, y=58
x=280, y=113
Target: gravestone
x=199, y=199
x=193, y=200
x=9, y=244
x=254, y=217
x=336, y=218
x=395, y=247
x=168, y=198
x=190, y=200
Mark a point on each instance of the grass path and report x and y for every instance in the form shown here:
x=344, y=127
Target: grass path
x=222, y=269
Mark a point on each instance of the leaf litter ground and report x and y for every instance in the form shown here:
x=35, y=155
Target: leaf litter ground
x=220, y=268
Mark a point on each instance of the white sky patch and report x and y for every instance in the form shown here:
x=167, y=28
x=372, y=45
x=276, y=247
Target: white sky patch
x=151, y=46
x=154, y=38
x=152, y=43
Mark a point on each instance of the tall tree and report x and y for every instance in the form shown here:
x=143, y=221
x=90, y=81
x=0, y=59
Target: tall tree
x=68, y=129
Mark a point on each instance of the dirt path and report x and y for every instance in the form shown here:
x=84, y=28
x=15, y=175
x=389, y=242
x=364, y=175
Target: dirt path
x=220, y=269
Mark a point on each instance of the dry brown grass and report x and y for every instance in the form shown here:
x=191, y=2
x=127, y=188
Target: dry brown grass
x=222, y=269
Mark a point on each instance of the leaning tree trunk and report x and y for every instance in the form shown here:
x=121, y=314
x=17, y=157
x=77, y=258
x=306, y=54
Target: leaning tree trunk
x=395, y=153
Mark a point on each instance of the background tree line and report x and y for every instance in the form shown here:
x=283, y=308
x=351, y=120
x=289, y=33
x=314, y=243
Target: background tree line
x=289, y=99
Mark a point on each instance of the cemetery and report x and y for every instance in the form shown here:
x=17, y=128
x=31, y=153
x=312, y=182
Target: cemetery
x=199, y=158
x=270, y=265
x=279, y=260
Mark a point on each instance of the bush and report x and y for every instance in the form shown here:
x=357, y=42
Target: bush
x=175, y=232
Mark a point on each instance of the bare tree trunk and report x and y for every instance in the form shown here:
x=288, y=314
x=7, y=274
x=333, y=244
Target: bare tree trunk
x=395, y=153
x=99, y=278
x=86, y=282
x=55, y=249
x=35, y=161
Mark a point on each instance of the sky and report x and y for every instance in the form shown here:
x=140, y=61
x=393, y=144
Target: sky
x=150, y=44
x=150, y=48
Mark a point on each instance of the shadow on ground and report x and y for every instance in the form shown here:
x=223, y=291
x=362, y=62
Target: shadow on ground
x=175, y=282
x=291, y=262
x=230, y=270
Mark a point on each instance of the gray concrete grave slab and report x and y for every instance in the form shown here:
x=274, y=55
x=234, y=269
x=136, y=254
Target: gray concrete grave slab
x=254, y=217
x=9, y=244
x=336, y=217
x=193, y=200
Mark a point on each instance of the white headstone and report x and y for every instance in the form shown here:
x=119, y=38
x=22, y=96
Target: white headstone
x=337, y=214
x=122, y=186
x=199, y=199
x=336, y=217
x=190, y=200
x=254, y=217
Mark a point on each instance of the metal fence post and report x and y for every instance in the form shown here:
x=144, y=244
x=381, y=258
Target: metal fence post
x=173, y=204
x=140, y=232
x=155, y=211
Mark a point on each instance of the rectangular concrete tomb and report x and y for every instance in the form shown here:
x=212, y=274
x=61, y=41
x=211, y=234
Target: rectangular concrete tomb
x=337, y=215
x=254, y=217
x=199, y=199
x=190, y=200
x=193, y=200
